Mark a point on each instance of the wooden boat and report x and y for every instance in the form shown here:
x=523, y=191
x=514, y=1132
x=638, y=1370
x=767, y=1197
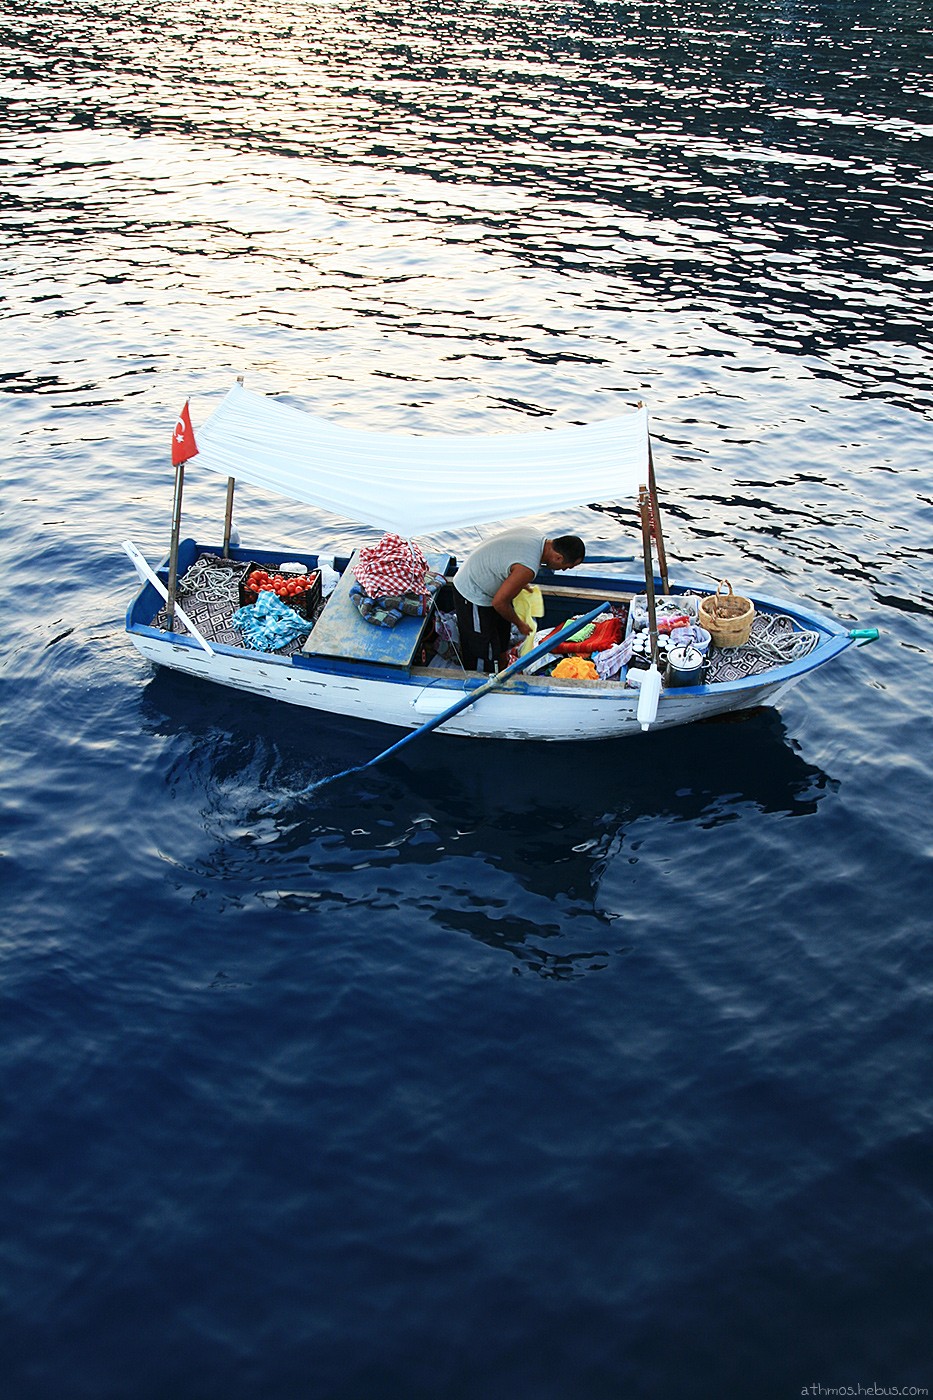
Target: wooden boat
x=420, y=486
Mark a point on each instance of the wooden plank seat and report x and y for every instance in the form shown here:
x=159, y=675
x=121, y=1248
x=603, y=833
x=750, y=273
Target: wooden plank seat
x=557, y=590
x=341, y=634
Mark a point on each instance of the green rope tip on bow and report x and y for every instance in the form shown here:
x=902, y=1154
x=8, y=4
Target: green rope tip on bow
x=864, y=635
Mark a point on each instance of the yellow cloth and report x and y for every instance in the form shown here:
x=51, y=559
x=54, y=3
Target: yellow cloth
x=576, y=668
x=528, y=605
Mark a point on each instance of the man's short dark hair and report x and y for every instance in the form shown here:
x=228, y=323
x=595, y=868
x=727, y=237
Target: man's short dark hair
x=570, y=548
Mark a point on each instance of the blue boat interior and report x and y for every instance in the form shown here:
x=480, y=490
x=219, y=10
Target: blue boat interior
x=341, y=638
x=341, y=634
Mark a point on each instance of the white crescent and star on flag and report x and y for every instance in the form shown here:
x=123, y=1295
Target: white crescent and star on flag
x=183, y=443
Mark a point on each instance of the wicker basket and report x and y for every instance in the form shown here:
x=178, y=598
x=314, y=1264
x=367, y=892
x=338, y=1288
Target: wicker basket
x=727, y=617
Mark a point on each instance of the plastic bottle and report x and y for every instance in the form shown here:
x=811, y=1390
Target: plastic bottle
x=329, y=575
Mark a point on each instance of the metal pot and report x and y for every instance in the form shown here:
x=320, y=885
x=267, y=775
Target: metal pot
x=685, y=666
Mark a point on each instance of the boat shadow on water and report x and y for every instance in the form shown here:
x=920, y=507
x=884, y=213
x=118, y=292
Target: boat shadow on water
x=524, y=848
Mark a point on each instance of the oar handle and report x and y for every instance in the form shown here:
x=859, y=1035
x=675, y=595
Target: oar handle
x=550, y=641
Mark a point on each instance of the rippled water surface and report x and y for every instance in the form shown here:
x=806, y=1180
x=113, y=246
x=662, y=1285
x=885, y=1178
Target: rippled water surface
x=522, y=1071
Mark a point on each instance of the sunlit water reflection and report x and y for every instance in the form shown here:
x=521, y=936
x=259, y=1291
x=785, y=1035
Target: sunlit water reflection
x=525, y=1072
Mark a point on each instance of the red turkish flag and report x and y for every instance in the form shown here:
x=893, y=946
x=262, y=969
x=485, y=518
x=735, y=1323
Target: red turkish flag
x=183, y=443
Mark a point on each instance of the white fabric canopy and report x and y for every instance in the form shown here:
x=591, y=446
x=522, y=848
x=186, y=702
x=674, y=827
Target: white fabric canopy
x=422, y=485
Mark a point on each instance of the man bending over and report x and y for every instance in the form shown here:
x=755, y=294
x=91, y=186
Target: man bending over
x=486, y=584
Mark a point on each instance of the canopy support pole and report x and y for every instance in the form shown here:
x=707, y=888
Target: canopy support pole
x=644, y=510
x=656, y=521
x=173, y=550
x=228, y=516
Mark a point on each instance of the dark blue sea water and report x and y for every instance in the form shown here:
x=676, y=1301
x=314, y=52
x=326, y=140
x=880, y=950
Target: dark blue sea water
x=500, y=1073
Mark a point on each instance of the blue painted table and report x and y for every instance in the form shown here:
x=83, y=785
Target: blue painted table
x=340, y=633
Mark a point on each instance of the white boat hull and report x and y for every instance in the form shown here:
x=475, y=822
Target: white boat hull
x=539, y=709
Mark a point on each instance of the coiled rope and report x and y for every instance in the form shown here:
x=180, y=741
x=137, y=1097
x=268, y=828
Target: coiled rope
x=775, y=639
x=214, y=580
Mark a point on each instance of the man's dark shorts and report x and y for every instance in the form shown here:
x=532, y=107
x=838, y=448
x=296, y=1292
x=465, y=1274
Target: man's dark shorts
x=484, y=635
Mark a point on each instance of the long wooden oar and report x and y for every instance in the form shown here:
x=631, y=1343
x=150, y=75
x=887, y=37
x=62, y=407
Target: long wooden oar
x=434, y=723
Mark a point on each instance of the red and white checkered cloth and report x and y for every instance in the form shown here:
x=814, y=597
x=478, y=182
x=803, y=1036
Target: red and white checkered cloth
x=391, y=567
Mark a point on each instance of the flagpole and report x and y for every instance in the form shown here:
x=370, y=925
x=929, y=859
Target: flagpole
x=183, y=448
x=173, y=551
